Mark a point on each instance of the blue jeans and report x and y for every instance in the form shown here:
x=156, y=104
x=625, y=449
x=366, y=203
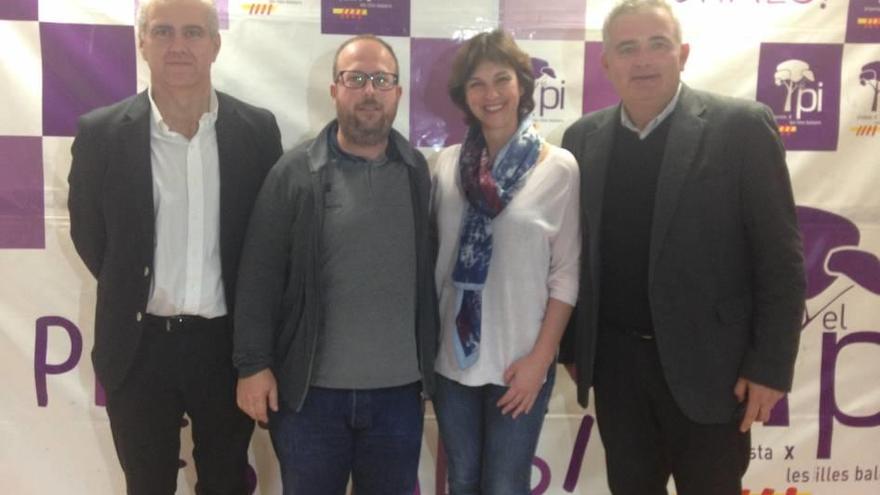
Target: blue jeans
x=373, y=435
x=488, y=453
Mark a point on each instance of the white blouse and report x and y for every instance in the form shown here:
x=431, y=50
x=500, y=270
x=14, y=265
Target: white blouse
x=536, y=247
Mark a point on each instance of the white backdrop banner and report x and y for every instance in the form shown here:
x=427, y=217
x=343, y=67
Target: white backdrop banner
x=814, y=62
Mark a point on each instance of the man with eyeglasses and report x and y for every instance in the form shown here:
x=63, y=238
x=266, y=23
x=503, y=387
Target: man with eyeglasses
x=335, y=330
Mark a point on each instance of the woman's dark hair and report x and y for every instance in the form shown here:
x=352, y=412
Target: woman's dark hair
x=495, y=46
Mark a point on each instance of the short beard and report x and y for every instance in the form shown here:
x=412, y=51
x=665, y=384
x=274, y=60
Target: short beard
x=361, y=133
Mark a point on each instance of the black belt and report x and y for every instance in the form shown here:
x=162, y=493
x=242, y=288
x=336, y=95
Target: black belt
x=178, y=323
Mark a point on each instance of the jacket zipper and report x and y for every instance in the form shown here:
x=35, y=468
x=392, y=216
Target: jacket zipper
x=318, y=194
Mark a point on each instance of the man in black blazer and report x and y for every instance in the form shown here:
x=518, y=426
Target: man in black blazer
x=161, y=188
x=692, y=280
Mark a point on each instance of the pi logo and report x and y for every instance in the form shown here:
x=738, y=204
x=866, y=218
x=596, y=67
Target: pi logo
x=835, y=265
x=549, y=87
x=800, y=82
x=798, y=79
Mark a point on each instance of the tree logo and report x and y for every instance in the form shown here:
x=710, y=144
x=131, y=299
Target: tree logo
x=796, y=76
x=868, y=114
x=870, y=76
x=801, y=83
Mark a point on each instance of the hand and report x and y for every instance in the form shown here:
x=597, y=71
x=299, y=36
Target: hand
x=759, y=401
x=253, y=392
x=524, y=378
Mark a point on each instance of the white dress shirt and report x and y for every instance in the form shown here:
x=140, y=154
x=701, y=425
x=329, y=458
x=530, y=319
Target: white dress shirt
x=656, y=121
x=187, y=275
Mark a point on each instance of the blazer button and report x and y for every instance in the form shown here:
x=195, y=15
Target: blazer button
x=139, y=316
x=147, y=271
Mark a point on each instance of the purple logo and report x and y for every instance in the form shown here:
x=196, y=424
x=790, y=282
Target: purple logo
x=84, y=67
x=541, y=68
x=867, y=120
x=530, y=20
x=794, y=75
x=379, y=17
x=549, y=89
x=870, y=77
x=42, y=367
x=598, y=91
x=832, y=253
x=801, y=83
x=863, y=21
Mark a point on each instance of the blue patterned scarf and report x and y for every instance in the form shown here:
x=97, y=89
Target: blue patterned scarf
x=488, y=190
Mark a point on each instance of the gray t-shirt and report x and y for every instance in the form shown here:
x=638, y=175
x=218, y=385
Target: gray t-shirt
x=367, y=277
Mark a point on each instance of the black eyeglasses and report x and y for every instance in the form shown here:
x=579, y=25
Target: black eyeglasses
x=355, y=79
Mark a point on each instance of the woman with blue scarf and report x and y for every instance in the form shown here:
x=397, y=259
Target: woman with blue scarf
x=506, y=207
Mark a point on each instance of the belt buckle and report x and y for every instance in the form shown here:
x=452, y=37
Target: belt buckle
x=171, y=321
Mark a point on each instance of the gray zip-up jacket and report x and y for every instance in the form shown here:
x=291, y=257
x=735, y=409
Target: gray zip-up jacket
x=278, y=301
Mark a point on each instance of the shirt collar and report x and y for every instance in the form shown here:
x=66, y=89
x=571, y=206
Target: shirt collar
x=206, y=121
x=653, y=124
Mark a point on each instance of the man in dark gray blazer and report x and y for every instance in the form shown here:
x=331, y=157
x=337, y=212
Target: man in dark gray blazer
x=161, y=188
x=692, y=280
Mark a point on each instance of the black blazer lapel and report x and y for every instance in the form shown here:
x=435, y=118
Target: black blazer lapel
x=135, y=155
x=685, y=134
x=228, y=129
x=595, y=159
x=231, y=137
x=597, y=155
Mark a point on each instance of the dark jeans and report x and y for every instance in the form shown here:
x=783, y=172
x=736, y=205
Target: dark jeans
x=373, y=435
x=488, y=453
x=647, y=437
x=186, y=370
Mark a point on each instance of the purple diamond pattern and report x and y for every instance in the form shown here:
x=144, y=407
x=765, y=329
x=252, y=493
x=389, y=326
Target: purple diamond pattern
x=21, y=193
x=434, y=121
x=84, y=67
x=598, y=91
x=19, y=10
x=861, y=23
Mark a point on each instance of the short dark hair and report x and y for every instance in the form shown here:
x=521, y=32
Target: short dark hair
x=494, y=46
x=360, y=37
